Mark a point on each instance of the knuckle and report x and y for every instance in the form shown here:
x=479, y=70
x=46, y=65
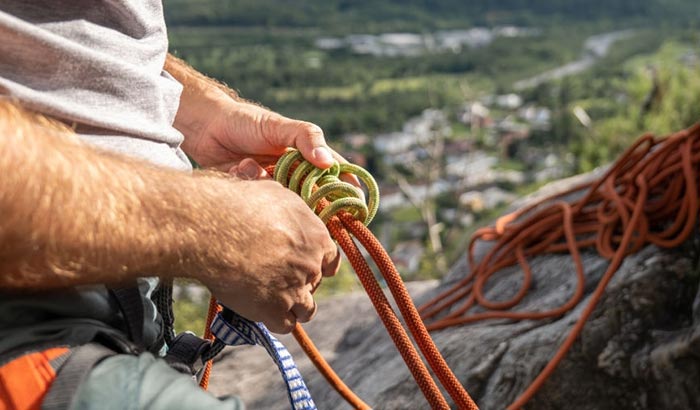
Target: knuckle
x=314, y=278
x=311, y=128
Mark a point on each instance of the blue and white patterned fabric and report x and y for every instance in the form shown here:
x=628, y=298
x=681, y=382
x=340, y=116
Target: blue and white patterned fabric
x=241, y=331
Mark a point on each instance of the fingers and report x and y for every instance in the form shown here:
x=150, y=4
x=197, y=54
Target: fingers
x=283, y=326
x=305, y=309
x=310, y=142
x=302, y=311
x=305, y=136
x=308, y=138
x=248, y=169
x=331, y=263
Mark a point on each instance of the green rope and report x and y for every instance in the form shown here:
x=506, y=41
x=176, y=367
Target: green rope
x=341, y=195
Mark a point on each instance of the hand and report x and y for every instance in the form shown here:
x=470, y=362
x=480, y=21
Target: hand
x=221, y=129
x=241, y=137
x=279, y=254
x=239, y=130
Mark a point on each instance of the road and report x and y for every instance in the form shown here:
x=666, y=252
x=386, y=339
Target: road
x=594, y=48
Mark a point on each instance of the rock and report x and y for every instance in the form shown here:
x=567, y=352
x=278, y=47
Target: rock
x=639, y=350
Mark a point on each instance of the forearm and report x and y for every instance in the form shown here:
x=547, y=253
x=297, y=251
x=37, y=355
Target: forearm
x=72, y=215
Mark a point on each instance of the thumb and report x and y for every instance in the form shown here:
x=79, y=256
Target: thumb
x=308, y=139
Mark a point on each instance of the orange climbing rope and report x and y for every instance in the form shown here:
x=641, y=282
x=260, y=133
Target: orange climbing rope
x=317, y=359
x=407, y=309
x=214, y=308
x=649, y=196
x=341, y=225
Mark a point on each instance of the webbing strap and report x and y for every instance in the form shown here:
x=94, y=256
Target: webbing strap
x=131, y=305
x=72, y=374
x=163, y=299
x=185, y=353
x=235, y=330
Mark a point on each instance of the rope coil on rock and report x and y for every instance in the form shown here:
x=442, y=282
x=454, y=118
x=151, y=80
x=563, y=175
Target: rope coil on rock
x=648, y=196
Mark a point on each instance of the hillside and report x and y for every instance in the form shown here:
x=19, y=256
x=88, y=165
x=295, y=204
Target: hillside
x=386, y=15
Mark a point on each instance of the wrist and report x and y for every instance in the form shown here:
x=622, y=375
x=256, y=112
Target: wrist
x=211, y=228
x=198, y=109
x=201, y=96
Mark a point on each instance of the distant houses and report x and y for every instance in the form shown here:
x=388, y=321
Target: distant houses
x=478, y=171
x=407, y=256
x=465, y=167
x=414, y=44
x=476, y=115
x=416, y=131
x=489, y=198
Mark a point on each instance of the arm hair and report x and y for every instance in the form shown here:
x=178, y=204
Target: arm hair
x=71, y=215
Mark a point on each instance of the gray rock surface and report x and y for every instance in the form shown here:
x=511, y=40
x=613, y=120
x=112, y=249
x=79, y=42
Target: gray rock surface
x=639, y=350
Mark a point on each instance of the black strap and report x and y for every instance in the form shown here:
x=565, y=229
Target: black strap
x=216, y=347
x=163, y=299
x=72, y=374
x=185, y=353
x=131, y=305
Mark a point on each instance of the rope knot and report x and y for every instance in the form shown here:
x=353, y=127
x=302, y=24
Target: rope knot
x=315, y=184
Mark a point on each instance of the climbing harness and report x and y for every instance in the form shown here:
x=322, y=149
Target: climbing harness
x=48, y=375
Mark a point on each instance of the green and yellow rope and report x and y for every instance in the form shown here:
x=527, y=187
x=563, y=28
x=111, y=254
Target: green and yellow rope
x=341, y=195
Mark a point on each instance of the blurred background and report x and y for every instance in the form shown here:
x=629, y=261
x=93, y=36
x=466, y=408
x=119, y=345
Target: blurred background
x=456, y=107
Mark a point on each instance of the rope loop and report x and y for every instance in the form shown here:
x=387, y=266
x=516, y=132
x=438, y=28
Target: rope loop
x=315, y=184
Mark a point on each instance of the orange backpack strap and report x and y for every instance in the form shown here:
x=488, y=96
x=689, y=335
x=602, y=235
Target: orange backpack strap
x=48, y=380
x=25, y=380
x=73, y=373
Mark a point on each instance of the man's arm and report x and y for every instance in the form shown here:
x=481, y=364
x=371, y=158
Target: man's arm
x=71, y=215
x=221, y=129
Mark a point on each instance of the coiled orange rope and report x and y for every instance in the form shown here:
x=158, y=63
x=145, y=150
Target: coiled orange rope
x=648, y=196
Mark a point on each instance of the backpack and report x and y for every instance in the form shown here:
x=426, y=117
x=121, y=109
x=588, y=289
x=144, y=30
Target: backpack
x=48, y=377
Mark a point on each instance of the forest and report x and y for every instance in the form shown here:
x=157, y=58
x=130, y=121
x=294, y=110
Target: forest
x=344, y=16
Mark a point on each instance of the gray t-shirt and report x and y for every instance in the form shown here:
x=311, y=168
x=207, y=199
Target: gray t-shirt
x=99, y=66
